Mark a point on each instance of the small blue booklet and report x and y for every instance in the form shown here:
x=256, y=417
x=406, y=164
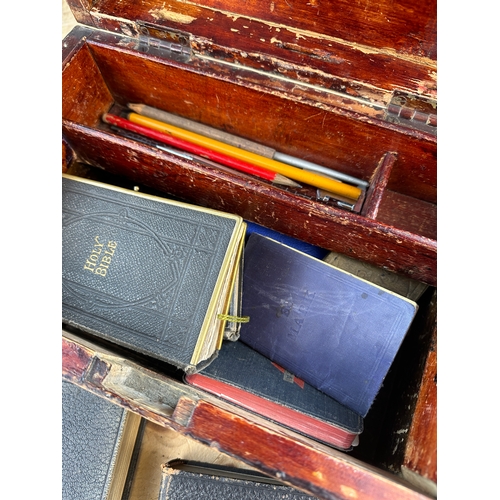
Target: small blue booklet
x=337, y=332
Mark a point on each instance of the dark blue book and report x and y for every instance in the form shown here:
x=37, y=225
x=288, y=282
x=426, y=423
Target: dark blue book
x=337, y=332
x=313, y=250
x=244, y=377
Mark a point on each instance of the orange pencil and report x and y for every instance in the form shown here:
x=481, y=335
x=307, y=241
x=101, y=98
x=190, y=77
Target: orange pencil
x=297, y=174
x=196, y=149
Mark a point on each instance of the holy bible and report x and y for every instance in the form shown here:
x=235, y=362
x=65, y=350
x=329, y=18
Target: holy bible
x=147, y=273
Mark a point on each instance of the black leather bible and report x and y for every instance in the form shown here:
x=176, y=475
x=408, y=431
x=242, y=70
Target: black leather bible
x=98, y=444
x=148, y=273
x=183, y=480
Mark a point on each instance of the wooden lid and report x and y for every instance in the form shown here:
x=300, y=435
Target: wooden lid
x=363, y=49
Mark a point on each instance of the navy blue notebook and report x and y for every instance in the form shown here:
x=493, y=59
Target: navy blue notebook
x=243, y=376
x=337, y=332
x=313, y=250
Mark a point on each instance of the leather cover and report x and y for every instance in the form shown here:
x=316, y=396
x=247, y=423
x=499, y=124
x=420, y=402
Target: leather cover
x=240, y=372
x=337, y=332
x=92, y=432
x=182, y=485
x=145, y=272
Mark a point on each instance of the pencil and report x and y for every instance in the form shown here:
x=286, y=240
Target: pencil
x=183, y=154
x=202, y=151
x=254, y=147
x=297, y=174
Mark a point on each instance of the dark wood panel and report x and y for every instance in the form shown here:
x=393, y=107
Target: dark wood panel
x=406, y=27
x=307, y=220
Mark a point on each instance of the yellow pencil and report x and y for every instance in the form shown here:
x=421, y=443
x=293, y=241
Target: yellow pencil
x=297, y=174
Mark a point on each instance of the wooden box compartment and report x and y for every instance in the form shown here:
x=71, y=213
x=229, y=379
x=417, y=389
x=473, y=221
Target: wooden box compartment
x=360, y=99
x=293, y=108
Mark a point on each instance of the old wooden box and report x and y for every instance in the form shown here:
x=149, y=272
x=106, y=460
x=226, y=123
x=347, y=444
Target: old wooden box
x=351, y=86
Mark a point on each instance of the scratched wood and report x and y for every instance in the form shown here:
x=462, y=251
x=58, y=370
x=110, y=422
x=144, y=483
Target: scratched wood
x=423, y=430
x=319, y=470
x=325, y=135
x=384, y=44
x=311, y=79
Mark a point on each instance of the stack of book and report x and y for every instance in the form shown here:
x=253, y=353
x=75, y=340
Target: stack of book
x=317, y=347
x=312, y=343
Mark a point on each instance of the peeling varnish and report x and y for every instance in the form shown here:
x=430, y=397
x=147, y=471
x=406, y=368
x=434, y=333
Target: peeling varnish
x=100, y=15
x=299, y=85
x=168, y=15
x=348, y=492
x=126, y=43
x=319, y=475
x=303, y=34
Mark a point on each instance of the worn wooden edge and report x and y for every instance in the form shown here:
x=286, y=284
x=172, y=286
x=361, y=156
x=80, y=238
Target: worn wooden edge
x=330, y=476
x=378, y=185
x=330, y=228
x=314, y=468
x=75, y=39
x=423, y=431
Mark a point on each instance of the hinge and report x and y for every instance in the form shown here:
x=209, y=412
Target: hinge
x=157, y=40
x=412, y=111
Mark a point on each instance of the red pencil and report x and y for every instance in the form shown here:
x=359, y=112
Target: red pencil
x=198, y=150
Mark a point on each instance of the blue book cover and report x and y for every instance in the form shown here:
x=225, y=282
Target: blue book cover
x=337, y=332
x=243, y=376
x=313, y=250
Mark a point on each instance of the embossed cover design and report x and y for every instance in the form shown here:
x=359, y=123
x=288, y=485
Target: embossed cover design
x=97, y=445
x=245, y=377
x=147, y=273
x=183, y=484
x=337, y=332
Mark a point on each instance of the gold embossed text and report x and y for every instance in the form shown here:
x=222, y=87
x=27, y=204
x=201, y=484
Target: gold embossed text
x=99, y=260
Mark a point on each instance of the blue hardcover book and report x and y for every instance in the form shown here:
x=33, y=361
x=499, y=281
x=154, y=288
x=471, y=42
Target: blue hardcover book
x=337, y=332
x=243, y=376
x=313, y=250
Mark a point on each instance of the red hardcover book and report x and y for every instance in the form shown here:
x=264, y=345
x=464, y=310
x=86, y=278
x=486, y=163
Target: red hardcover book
x=248, y=379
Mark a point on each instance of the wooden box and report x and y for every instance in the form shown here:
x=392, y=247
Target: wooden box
x=346, y=85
